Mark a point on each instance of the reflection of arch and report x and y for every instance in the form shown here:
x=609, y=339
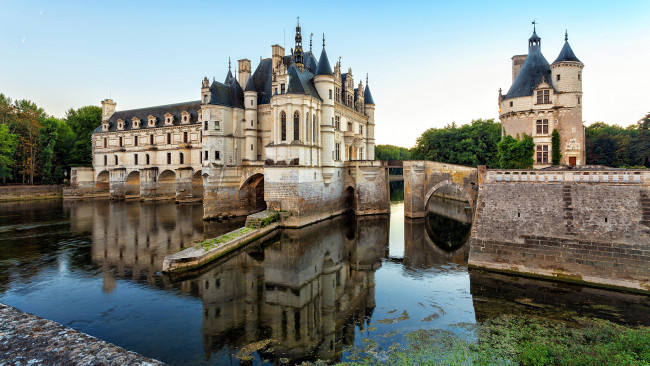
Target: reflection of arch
x=197, y=184
x=252, y=190
x=102, y=183
x=167, y=184
x=446, y=233
x=350, y=199
x=443, y=184
x=132, y=184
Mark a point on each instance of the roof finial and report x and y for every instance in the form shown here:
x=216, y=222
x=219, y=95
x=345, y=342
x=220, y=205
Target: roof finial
x=323, y=40
x=566, y=36
x=298, y=21
x=310, y=37
x=228, y=63
x=534, y=24
x=366, y=78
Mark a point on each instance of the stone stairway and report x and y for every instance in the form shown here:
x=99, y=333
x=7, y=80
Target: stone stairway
x=568, y=209
x=645, y=208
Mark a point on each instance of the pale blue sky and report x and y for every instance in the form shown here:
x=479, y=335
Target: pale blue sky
x=430, y=63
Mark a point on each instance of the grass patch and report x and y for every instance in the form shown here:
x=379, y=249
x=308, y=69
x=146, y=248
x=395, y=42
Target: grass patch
x=517, y=340
x=213, y=243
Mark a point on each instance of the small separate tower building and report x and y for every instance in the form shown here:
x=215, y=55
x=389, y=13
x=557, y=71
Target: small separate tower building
x=544, y=98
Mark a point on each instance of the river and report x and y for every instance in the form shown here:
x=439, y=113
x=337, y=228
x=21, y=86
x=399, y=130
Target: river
x=317, y=292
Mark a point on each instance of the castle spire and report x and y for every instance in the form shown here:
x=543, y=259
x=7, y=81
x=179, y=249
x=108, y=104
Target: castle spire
x=566, y=35
x=324, y=67
x=310, y=37
x=229, y=75
x=298, y=56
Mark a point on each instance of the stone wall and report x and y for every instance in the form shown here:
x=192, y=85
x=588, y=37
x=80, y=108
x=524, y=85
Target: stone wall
x=19, y=193
x=591, y=226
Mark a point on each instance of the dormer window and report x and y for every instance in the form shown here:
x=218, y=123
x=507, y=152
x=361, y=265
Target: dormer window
x=120, y=124
x=105, y=126
x=543, y=96
x=282, y=89
x=152, y=121
x=169, y=119
x=185, y=117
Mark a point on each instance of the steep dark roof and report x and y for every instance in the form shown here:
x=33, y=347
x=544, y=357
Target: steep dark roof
x=158, y=111
x=236, y=94
x=250, y=85
x=262, y=81
x=301, y=82
x=310, y=62
x=367, y=96
x=533, y=71
x=566, y=54
x=228, y=76
x=324, y=67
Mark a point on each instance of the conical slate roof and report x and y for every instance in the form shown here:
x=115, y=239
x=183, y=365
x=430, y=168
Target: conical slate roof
x=367, y=96
x=534, y=70
x=310, y=62
x=566, y=54
x=324, y=67
x=250, y=85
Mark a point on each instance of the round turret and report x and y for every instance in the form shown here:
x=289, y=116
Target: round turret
x=566, y=73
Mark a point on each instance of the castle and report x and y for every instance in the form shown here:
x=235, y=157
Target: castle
x=545, y=97
x=293, y=136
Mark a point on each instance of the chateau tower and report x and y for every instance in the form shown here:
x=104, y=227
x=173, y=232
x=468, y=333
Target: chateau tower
x=370, y=112
x=324, y=82
x=250, y=105
x=544, y=98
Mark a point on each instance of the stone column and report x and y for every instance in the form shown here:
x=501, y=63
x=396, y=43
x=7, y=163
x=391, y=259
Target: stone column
x=184, y=184
x=117, y=179
x=414, y=176
x=148, y=183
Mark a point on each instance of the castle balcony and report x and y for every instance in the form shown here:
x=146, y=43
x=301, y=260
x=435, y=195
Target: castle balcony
x=185, y=145
x=119, y=149
x=151, y=148
x=358, y=140
x=348, y=137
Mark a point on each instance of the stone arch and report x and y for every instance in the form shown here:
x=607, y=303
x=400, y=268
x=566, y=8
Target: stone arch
x=283, y=126
x=197, y=184
x=447, y=183
x=296, y=125
x=251, y=193
x=167, y=184
x=132, y=184
x=350, y=203
x=102, y=182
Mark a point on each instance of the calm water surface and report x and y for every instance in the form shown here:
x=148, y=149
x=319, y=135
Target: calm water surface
x=317, y=291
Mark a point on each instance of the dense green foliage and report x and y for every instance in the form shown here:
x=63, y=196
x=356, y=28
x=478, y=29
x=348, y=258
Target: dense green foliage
x=515, y=153
x=517, y=340
x=391, y=152
x=471, y=144
x=615, y=146
x=37, y=148
x=556, y=153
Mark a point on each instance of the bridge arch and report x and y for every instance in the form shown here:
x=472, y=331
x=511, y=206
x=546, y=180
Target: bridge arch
x=102, y=182
x=251, y=192
x=132, y=184
x=447, y=183
x=167, y=184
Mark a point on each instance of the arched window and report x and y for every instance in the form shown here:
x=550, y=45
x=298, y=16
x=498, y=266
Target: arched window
x=296, y=126
x=307, y=128
x=283, y=126
x=105, y=160
x=314, y=130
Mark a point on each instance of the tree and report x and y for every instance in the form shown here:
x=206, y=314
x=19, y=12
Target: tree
x=55, y=140
x=641, y=143
x=83, y=122
x=8, y=144
x=471, y=144
x=516, y=153
x=391, y=152
x=556, y=154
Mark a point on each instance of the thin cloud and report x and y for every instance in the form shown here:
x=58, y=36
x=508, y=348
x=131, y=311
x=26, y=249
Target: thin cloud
x=23, y=41
x=42, y=12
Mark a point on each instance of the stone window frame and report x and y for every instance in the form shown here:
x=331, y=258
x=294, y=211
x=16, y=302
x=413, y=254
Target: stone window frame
x=337, y=151
x=542, y=126
x=120, y=124
x=169, y=119
x=185, y=117
x=152, y=120
x=542, y=154
x=296, y=126
x=283, y=126
x=105, y=126
x=337, y=122
x=543, y=96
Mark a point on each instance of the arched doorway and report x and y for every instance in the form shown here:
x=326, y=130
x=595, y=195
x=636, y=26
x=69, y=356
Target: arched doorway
x=102, y=183
x=252, y=193
x=167, y=184
x=197, y=184
x=350, y=200
x=132, y=184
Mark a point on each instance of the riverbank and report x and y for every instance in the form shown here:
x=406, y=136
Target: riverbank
x=517, y=340
x=24, y=193
x=27, y=339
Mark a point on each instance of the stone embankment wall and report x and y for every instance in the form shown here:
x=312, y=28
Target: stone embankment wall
x=26, y=339
x=578, y=225
x=20, y=193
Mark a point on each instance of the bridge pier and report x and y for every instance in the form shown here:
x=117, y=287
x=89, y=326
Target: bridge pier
x=148, y=183
x=117, y=184
x=184, y=184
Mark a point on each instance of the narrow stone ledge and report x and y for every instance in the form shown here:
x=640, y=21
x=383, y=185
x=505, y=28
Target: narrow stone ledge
x=27, y=339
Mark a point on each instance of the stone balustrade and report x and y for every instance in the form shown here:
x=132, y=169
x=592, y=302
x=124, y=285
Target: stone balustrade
x=612, y=176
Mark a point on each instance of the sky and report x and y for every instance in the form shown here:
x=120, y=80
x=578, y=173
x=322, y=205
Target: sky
x=429, y=63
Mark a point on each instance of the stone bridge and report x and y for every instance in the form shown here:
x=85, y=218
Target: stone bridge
x=422, y=179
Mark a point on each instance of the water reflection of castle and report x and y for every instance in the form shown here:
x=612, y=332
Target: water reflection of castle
x=307, y=289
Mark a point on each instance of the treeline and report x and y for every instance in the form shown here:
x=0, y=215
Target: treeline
x=480, y=143
x=38, y=148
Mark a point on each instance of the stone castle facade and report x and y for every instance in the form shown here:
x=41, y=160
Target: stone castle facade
x=544, y=98
x=293, y=135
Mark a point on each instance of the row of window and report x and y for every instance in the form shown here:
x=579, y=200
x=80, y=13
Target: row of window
x=337, y=152
x=181, y=158
x=542, y=98
x=136, y=140
x=296, y=127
